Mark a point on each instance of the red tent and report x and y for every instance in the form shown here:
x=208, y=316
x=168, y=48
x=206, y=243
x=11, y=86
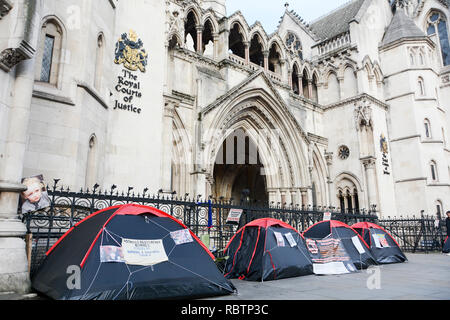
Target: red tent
x=382, y=245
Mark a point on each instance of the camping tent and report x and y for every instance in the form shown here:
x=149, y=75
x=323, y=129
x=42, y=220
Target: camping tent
x=129, y=252
x=267, y=249
x=354, y=245
x=382, y=245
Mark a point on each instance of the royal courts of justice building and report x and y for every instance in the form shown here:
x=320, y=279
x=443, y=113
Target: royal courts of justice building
x=350, y=110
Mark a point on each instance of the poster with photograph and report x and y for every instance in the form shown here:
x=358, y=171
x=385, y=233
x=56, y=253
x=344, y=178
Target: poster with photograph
x=111, y=254
x=330, y=257
x=380, y=240
x=36, y=196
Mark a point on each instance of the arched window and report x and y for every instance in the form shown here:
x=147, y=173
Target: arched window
x=236, y=41
x=256, y=51
x=315, y=95
x=421, y=59
x=411, y=59
x=295, y=80
x=49, y=54
x=341, y=201
x=349, y=202
x=356, y=198
x=421, y=86
x=190, y=32
x=305, y=84
x=437, y=24
x=208, y=39
x=433, y=169
x=427, y=127
x=275, y=58
x=99, y=62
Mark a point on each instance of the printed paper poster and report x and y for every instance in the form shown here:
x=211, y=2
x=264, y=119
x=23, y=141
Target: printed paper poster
x=143, y=252
x=330, y=257
x=111, y=254
x=280, y=239
x=234, y=216
x=290, y=239
x=381, y=240
x=181, y=236
x=358, y=245
x=311, y=245
x=326, y=216
x=377, y=241
x=36, y=196
x=330, y=268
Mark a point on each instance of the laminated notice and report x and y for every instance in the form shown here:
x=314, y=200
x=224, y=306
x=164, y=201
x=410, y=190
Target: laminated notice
x=290, y=239
x=144, y=252
x=358, y=245
x=181, y=236
x=280, y=239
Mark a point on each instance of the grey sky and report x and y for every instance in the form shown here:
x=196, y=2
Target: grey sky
x=268, y=12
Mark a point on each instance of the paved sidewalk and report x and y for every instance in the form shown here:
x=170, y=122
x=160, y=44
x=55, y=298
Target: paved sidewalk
x=423, y=277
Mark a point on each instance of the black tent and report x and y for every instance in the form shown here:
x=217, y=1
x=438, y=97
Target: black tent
x=129, y=252
x=446, y=248
x=354, y=245
x=267, y=249
x=382, y=245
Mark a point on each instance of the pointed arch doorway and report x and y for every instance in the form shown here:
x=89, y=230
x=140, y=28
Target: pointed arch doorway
x=239, y=172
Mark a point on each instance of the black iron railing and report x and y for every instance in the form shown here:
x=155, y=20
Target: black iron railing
x=208, y=219
x=417, y=234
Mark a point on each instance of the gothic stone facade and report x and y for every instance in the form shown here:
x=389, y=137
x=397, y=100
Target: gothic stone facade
x=350, y=110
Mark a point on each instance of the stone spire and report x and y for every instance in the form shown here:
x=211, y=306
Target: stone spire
x=401, y=27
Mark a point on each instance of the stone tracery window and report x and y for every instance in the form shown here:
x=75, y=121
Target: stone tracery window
x=294, y=45
x=344, y=152
x=437, y=24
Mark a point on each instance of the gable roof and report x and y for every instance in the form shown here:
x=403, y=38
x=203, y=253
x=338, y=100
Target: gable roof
x=401, y=27
x=337, y=21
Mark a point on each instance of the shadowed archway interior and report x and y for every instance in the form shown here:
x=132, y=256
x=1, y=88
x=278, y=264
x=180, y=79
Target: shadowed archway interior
x=238, y=171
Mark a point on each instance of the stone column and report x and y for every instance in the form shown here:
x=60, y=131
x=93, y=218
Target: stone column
x=273, y=195
x=216, y=45
x=329, y=160
x=13, y=260
x=371, y=181
x=199, y=29
x=310, y=90
x=247, y=51
x=300, y=86
x=304, y=193
x=294, y=199
x=284, y=199
x=290, y=79
x=166, y=166
x=266, y=60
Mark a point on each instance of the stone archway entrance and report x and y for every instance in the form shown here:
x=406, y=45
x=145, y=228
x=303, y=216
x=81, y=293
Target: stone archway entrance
x=238, y=171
